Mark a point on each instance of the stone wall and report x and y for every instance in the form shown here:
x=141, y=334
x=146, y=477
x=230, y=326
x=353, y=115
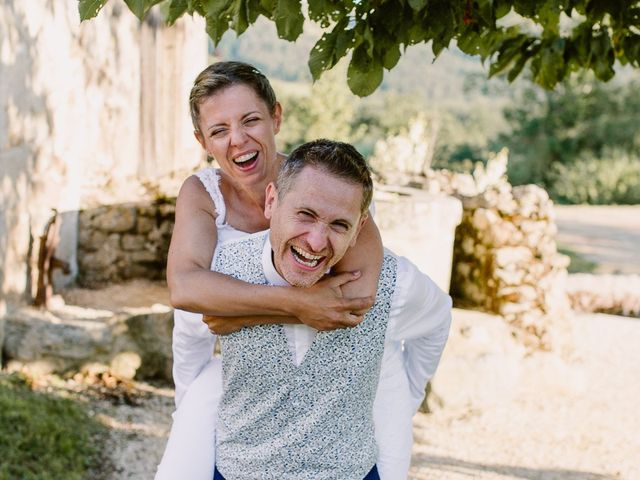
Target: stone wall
x=124, y=241
x=90, y=114
x=505, y=256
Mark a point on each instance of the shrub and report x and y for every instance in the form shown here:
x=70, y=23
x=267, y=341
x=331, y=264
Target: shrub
x=613, y=179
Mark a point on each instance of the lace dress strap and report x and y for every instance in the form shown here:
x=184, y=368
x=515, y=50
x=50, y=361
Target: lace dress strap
x=211, y=181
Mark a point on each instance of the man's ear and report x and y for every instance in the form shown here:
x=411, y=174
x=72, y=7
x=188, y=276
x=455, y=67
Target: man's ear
x=271, y=200
x=277, y=116
x=363, y=220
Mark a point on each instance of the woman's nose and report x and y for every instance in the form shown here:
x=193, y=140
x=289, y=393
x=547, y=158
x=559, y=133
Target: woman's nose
x=238, y=136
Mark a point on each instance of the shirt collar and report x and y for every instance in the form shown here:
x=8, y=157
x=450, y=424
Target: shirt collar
x=270, y=272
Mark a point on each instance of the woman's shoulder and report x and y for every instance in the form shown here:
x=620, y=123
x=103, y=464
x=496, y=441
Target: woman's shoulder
x=202, y=190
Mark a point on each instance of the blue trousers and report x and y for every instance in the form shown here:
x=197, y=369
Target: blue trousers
x=372, y=475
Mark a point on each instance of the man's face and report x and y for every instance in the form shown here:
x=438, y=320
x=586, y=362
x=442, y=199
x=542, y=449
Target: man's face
x=313, y=224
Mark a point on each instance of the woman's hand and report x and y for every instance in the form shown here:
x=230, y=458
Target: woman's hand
x=223, y=325
x=323, y=306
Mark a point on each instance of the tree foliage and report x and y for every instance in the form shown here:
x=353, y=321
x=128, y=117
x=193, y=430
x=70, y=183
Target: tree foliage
x=553, y=38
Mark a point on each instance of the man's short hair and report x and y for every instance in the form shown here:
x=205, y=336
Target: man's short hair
x=218, y=76
x=339, y=159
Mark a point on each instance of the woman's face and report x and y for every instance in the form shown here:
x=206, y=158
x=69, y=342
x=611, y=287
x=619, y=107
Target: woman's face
x=237, y=129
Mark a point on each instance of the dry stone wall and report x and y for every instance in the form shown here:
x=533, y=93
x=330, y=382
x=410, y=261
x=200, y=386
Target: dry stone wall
x=505, y=255
x=124, y=241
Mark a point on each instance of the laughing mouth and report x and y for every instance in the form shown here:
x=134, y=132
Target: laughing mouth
x=305, y=258
x=247, y=160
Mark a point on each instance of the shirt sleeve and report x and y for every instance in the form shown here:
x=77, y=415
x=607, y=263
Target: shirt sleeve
x=420, y=317
x=192, y=349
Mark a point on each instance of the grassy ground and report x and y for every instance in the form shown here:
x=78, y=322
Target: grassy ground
x=44, y=436
x=578, y=264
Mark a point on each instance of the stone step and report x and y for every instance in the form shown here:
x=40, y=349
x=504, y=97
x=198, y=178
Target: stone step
x=120, y=327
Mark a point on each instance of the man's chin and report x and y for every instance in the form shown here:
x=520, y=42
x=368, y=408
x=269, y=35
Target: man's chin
x=302, y=280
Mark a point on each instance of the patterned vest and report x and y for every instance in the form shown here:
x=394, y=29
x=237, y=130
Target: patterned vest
x=312, y=421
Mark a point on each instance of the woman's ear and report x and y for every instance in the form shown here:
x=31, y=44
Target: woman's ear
x=277, y=116
x=200, y=138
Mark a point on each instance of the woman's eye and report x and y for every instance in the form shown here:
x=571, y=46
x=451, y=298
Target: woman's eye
x=252, y=120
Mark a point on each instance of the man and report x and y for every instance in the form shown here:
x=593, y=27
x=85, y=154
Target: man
x=298, y=403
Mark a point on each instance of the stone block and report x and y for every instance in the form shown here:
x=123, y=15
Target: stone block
x=167, y=210
x=133, y=242
x=145, y=224
x=506, y=256
x=144, y=256
x=118, y=218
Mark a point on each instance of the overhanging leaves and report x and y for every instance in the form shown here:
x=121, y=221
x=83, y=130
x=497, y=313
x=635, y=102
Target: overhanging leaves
x=377, y=32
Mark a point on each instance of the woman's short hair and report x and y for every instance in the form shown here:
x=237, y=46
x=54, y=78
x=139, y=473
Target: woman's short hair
x=221, y=75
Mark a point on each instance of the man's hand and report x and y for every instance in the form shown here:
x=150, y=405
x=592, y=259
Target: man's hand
x=323, y=307
x=223, y=325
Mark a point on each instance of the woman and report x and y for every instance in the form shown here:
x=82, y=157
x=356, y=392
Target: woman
x=236, y=117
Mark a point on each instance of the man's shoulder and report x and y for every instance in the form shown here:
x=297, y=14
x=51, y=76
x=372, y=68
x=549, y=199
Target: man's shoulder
x=250, y=240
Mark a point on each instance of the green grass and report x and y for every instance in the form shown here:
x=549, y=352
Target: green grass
x=44, y=436
x=578, y=264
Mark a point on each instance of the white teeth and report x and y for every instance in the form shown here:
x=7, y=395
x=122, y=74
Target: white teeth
x=245, y=157
x=307, y=255
x=301, y=255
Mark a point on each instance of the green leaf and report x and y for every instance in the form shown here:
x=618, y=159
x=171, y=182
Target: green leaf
x=331, y=47
x=391, y=56
x=502, y=8
x=364, y=74
x=140, y=7
x=517, y=68
x=507, y=52
x=549, y=17
x=90, y=8
x=216, y=27
x=418, y=5
x=176, y=9
x=240, y=17
x=321, y=54
x=289, y=19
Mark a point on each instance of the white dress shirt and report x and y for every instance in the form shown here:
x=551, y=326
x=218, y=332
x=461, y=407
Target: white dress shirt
x=417, y=331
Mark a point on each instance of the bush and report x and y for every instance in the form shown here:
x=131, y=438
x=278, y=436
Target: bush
x=43, y=436
x=614, y=179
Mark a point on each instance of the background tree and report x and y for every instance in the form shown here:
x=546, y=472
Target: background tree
x=580, y=141
x=553, y=37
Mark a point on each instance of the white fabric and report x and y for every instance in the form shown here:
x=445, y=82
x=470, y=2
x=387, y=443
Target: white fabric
x=192, y=342
x=416, y=334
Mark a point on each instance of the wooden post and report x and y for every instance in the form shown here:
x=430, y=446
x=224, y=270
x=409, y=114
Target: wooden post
x=47, y=262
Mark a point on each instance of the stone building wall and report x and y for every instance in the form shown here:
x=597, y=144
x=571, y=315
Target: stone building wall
x=90, y=114
x=124, y=241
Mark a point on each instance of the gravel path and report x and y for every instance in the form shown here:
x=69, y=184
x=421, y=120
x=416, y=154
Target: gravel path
x=566, y=415
x=569, y=416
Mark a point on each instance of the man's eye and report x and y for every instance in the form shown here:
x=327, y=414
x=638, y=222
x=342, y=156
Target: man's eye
x=341, y=227
x=217, y=133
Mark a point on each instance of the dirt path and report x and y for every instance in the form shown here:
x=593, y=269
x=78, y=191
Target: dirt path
x=607, y=235
x=545, y=416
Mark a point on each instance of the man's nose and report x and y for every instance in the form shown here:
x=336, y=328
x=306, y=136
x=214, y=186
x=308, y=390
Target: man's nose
x=317, y=237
